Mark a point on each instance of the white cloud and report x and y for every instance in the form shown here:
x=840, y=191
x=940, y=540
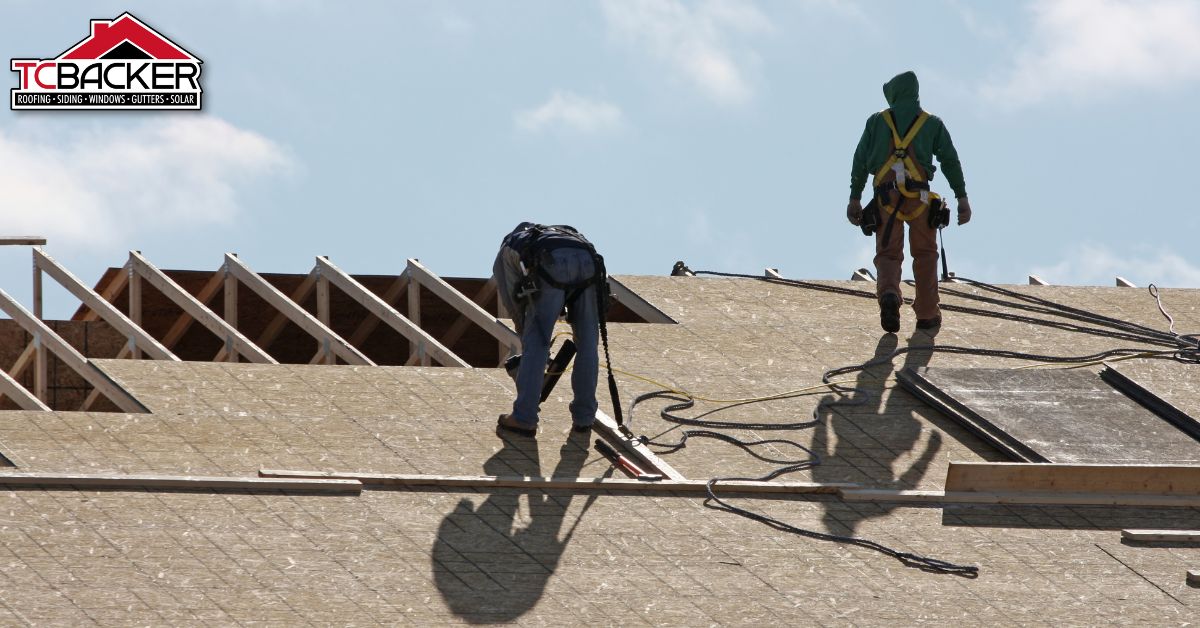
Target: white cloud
x=570, y=111
x=1088, y=48
x=698, y=43
x=1094, y=265
x=90, y=189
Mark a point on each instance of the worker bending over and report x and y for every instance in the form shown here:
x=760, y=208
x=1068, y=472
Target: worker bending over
x=898, y=146
x=540, y=270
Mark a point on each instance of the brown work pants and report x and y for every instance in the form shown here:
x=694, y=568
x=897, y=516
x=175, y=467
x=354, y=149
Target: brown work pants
x=889, y=258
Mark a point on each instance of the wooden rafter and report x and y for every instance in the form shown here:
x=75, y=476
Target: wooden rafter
x=425, y=344
x=69, y=355
x=460, y=302
x=326, y=337
x=136, y=335
x=272, y=330
x=198, y=310
x=19, y=394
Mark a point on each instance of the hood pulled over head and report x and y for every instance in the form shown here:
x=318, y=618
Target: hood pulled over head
x=902, y=90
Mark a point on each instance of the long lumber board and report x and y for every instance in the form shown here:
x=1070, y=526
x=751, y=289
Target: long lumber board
x=1142, y=479
x=579, y=484
x=1186, y=536
x=191, y=482
x=1026, y=498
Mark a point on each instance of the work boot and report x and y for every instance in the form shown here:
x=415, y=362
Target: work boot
x=889, y=312
x=508, y=424
x=929, y=323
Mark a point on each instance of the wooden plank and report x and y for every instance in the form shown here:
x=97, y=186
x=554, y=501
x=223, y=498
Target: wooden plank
x=387, y=314
x=295, y=313
x=1029, y=498
x=461, y=322
x=460, y=302
x=23, y=361
x=185, y=320
x=389, y=296
x=22, y=240
x=1185, y=536
x=323, y=314
x=197, y=310
x=68, y=355
x=37, y=287
x=109, y=292
x=231, y=312
x=607, y=427
x=1074, y=478
x=636, y=303
x=135, y=310
x=41, y=378
x=111, y=315
x=581, y=484
x=149, y=481
x=272, y=330
x=22, y=397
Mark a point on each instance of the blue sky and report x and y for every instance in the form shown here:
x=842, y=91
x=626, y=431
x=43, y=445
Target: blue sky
x=717, y=132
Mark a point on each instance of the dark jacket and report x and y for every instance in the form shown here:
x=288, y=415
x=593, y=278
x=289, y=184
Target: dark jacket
x=902, y=94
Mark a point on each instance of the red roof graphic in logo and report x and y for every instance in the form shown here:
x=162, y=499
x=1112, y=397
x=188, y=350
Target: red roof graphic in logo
x=122, y=38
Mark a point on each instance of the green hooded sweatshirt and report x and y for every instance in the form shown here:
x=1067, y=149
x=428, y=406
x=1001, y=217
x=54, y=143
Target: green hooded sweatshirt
x=902, y=93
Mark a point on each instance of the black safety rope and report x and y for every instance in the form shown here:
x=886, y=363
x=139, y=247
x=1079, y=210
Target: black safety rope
x=1184, y=348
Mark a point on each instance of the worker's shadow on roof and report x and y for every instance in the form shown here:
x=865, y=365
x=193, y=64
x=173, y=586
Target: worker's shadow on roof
x=873, y=432
x=490, y=566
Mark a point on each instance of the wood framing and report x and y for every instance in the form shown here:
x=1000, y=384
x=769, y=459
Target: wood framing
x=637, y=304
x=1162, y=536
x=1074, y=478
x=329, y=341
x=607, y=427
x=22, y=397
x=185, y=320
x=423, y=343
x=460, y=302
x=1027, y=498
x=389, y=296
x=109, y=292
x=578, y=484
x=461, y=322
x=111, y=315
x=72, y=481
x=22, y=240
x=69, y=356
x=196, y=310
x=271, y=332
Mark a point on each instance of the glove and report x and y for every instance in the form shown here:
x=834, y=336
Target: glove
x=964, y=211
x=854, y=212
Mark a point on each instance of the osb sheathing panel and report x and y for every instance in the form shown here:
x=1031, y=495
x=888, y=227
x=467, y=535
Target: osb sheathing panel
x=548, y=558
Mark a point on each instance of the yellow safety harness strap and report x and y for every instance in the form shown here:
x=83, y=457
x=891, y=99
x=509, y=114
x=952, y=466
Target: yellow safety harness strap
x=901, y=146
x=901, y=153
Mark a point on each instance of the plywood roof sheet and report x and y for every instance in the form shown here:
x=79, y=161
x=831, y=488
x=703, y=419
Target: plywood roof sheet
x=431, y=557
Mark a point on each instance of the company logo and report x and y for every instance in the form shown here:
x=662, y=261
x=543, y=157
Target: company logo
x=122, y=64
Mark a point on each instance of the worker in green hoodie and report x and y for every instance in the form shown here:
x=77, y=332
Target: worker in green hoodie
x=897, y=147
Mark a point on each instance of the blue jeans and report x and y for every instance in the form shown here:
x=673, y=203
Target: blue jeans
x=565, y=265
